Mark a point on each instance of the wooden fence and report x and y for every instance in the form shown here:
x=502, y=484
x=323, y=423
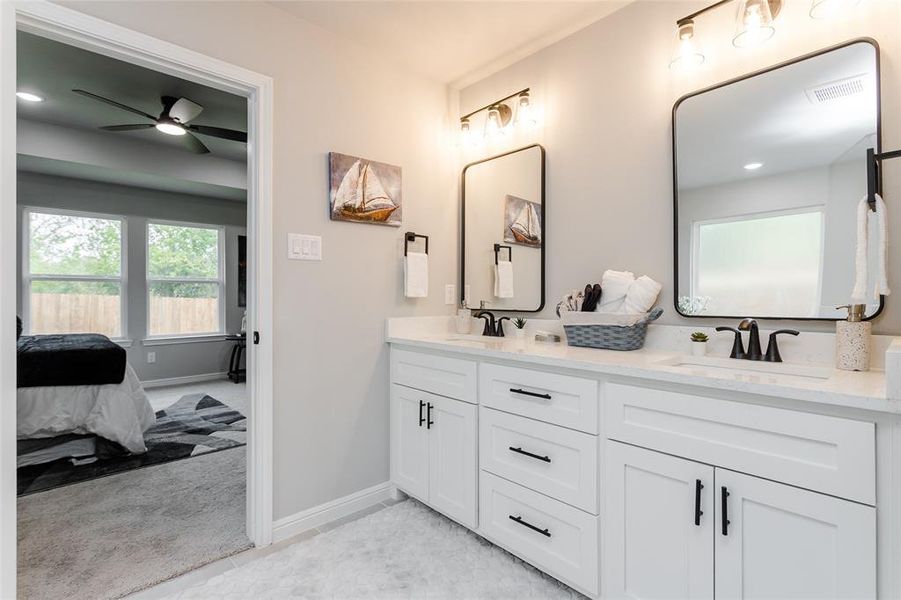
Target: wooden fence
x=97, y=313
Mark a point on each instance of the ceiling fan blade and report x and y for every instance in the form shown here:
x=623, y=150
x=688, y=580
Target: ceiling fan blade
x=193, y=144
x=183, y=110
x=219, y=132
x=128, y=127
x=114, y=103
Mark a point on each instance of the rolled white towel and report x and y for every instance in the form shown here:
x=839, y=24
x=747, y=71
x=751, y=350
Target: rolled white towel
x=503, y=279
x=615, y=286
x=416, y=275
x=641, y=296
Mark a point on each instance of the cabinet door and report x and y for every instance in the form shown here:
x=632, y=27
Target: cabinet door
x=409, y=442
x=784, y=542
x=453, y=463
x=659, y=526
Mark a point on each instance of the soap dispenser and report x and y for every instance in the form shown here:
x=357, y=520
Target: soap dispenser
x=852, y=340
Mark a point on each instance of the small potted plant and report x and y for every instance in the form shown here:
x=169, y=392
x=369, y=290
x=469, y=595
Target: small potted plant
x=520, y=324
x=699, y=343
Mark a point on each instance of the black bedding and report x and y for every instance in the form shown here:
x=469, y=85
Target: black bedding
x=71, y=359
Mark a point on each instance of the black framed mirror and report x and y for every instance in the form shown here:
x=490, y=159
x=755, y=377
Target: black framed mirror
x=768, y=173
x=503, y=238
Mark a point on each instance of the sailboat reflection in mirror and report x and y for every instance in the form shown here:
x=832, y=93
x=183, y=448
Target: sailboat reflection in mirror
x=363, y=190
x=522, y=223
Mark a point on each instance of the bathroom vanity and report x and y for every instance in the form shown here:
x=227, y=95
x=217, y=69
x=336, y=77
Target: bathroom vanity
x=651, y=474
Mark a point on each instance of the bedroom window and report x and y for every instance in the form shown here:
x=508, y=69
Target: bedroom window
x=74, y=273
x=185, y=280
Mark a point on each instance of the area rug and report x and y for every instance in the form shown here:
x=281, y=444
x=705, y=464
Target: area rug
x=196, y=424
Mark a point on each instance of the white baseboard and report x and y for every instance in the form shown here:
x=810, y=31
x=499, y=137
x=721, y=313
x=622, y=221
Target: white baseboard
x=155, y=383
x=317, y=516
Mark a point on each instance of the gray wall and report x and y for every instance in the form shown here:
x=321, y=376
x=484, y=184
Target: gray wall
x=331, y=362
x=139, y=205
x=606, y=94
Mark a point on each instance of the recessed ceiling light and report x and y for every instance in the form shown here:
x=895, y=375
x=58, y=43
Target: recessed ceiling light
x=29, y=97
x=171, y=128
x=753, y=166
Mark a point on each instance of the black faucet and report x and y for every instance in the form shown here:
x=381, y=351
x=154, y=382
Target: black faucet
x=754, y=352
x=489, y=329
x=772, y=350
x=738, y=348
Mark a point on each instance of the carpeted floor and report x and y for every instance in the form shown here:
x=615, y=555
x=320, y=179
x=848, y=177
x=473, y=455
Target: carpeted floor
x=404, y=551
x=105, y=538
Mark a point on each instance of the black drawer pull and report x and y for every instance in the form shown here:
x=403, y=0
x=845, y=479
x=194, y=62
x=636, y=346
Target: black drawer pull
x=528, y=393
x=519, y=520
x=421, y=418
x=428, y=413
x=698, y=512
x=726, y=521
x=546, y=459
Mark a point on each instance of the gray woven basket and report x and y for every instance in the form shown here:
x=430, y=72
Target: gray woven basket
x=611, y=337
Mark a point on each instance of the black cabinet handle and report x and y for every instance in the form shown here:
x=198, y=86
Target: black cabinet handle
x=528, y=393
x=519, y=520
x=726, y=521
x=546, y=459
x=698, y=512
x=421, y=418
x=430, y=422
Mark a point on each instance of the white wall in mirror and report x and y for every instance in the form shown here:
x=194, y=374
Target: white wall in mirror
x=501, y=196
x=770, y=171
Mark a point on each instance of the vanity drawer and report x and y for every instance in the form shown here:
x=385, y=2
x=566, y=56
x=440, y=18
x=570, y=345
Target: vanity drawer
x=555, y=537
x=553, y=460
x=827, y=454
x=451, y=377
x=562, y=399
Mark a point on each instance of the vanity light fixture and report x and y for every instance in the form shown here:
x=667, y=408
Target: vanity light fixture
x=827, y=9
x=753, y=166
x=687, y=54
x=29, y=97
x=499, y=116
x=753, y=24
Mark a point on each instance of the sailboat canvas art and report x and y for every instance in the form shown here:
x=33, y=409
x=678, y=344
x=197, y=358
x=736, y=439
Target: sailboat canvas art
x=522, y=222
x=364, y=191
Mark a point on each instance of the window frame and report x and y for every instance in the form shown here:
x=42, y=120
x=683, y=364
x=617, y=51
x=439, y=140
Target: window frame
x=220, y=280
x=28, y=277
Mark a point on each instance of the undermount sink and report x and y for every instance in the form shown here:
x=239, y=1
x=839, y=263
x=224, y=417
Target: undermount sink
x=476, y=340
x=725, y=366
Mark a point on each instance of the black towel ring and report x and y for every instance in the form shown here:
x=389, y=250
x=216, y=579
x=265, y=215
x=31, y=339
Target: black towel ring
x=498, y=248
x=410, y=237
x=873, y=160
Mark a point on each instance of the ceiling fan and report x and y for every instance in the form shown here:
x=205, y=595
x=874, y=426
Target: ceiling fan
x=173, y=120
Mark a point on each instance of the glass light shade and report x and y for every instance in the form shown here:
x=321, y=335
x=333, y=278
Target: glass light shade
x=827, y=9
x=525, y=115
x=493, y=126
x=29, y=97
x=170, y=128
x=754, y=23
x=687, y=55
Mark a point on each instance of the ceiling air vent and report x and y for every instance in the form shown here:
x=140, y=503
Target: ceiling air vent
x=841, y=88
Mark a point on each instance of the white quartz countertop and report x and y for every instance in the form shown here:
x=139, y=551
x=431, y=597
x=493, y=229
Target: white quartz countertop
x=862, y=390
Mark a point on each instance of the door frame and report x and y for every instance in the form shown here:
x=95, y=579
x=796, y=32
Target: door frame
x=78, y=29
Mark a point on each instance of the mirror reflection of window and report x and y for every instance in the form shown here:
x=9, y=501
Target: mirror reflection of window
x=770, y=170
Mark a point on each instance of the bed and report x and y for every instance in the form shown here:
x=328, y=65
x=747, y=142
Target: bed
x=77, y=397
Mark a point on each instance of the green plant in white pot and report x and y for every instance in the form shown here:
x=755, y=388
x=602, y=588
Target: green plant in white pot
x=699, y=343
x=520, y=324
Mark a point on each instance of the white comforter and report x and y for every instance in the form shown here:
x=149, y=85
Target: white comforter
x=119, y=412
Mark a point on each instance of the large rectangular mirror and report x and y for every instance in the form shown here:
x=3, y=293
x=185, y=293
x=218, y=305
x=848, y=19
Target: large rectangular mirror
x=503, y=243
x=768, y=173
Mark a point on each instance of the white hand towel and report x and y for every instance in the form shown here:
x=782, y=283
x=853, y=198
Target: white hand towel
x=416, y=275
x=614, y=285
x=641, y=295
x=503, y=279
x=861, y=258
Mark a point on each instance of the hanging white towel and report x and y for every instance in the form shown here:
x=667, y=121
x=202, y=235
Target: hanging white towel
x=416, y=275
x=614, y=285
x=865, y=216
x=503, y=279
x=641, y=296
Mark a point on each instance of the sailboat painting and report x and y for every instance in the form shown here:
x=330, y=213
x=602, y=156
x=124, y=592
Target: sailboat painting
x=522, y=222
x=364, y=191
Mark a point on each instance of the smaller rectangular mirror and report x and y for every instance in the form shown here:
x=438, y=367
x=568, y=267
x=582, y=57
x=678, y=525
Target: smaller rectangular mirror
x=504, y=212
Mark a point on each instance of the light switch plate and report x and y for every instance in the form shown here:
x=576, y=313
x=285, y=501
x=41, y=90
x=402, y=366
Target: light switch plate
x=450, y=292
x=304, y=247
x=151, y=357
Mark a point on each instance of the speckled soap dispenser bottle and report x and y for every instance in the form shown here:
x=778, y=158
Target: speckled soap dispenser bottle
x=852, y=340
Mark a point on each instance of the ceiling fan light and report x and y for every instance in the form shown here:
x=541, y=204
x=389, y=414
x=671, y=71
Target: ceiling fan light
x=29, y=97
x=170, y=128
x=753, y=24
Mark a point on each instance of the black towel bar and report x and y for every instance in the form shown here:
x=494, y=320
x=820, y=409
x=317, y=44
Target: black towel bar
x=498, y=248
x=411, y=237
x=873, y=160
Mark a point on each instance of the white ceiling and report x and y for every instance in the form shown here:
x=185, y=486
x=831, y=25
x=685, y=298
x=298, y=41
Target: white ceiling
x=769, y=119
x=452, y=42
